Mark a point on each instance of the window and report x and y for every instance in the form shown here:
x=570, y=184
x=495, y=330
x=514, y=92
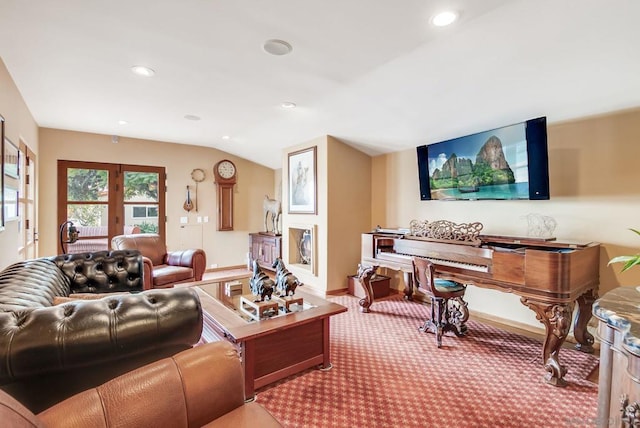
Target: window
x=145, y=212
x=139, y=212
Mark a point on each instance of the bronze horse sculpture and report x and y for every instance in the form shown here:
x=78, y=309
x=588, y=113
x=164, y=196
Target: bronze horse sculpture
x=260, y=283
x=286, y=282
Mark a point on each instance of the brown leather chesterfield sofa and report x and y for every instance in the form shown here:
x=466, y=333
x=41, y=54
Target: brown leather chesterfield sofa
x=49, y=352
x=163, y=268
x=199, y=387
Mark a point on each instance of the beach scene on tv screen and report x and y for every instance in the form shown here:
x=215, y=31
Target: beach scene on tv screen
x=486, y=165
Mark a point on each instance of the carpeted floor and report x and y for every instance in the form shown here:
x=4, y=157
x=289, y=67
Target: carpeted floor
x=388, y=374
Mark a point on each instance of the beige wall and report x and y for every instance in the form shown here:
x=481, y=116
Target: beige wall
x=20, y=127
x=594, y=176
x=343, y=213
x=222, y=248
x=349, y=213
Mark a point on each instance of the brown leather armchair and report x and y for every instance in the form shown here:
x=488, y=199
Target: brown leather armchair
x=163, y=268
x=198, y=387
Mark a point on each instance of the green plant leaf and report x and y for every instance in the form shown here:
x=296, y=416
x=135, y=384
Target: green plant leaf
x=629, y=261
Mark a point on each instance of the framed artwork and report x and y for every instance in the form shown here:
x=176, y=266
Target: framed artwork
x=11, y=159
x=2, y=175
x=302, y=182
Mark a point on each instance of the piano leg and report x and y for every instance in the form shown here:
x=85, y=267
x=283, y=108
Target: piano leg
x=556, y=318
x=583, y=337
x=365, y=273
x=408, y=285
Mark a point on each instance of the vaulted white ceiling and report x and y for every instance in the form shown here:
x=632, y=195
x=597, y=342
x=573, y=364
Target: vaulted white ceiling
x=373, y=73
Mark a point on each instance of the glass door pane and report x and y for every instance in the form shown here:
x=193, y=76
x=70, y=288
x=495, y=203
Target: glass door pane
x=88, y=208
x=141, y=202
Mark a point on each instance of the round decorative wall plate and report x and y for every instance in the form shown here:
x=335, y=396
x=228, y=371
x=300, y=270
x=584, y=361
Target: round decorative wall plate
x=198, y=175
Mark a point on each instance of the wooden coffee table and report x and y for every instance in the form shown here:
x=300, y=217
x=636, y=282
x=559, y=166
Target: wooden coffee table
x=271, y=348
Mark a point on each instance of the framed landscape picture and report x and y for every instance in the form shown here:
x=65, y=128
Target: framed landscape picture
x=302, y=182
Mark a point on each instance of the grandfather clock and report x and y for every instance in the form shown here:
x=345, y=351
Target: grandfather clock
x=225, y=178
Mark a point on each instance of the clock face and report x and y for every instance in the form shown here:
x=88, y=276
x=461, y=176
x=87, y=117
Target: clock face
x=226, y=169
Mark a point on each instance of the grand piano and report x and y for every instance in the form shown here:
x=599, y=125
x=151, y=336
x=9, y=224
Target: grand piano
x=549, y=276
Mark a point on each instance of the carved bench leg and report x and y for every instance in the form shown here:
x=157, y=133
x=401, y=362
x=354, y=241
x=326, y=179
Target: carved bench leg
x=457, y=316
x=437, y=324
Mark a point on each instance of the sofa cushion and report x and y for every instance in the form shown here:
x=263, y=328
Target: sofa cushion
x=31, y=284
x=166, y=274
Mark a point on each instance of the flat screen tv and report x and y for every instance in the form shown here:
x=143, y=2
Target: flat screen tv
x=504, y=163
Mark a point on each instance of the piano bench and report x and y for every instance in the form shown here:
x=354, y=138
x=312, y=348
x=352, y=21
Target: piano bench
x=380, y=284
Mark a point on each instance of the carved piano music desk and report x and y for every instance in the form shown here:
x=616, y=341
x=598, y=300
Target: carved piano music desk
x=549, y=276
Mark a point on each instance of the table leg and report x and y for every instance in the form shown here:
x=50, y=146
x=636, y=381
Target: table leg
x=326, y=345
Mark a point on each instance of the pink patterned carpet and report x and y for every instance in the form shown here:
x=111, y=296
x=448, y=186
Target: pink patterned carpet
x=388, y=374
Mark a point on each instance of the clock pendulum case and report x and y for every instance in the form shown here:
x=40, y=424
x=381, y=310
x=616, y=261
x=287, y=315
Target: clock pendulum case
x=225, y=178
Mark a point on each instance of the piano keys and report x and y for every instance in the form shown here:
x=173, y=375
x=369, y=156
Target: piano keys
x=550, y=277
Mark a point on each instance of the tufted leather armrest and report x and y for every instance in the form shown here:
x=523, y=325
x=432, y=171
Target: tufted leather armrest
x=31, y=284
x=102, y=271
x=83, y=343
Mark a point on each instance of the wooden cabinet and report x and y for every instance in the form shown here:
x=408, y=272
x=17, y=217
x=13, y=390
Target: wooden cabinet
x=619, y=375
x=265, y=248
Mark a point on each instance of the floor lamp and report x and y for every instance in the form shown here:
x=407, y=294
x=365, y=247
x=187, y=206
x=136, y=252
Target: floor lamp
x=72, y=234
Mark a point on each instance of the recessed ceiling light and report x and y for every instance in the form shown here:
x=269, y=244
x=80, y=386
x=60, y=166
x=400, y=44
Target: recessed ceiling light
x=277, y=47
x=445, y=18
x=288, y=104
x=122, y=122
x=225, y=137
x=191, y=117
x=141, y=70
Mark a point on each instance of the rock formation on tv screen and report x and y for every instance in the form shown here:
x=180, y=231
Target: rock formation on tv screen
x=491, y=168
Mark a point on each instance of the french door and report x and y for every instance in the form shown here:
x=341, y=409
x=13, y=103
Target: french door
x=102, y=200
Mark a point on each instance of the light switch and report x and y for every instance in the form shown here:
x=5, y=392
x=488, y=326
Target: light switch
x=206, y=219
x=199, y=219
x=184, y=220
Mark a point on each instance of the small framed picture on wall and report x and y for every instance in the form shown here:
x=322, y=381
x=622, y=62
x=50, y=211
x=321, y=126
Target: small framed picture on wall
x=302, y=182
